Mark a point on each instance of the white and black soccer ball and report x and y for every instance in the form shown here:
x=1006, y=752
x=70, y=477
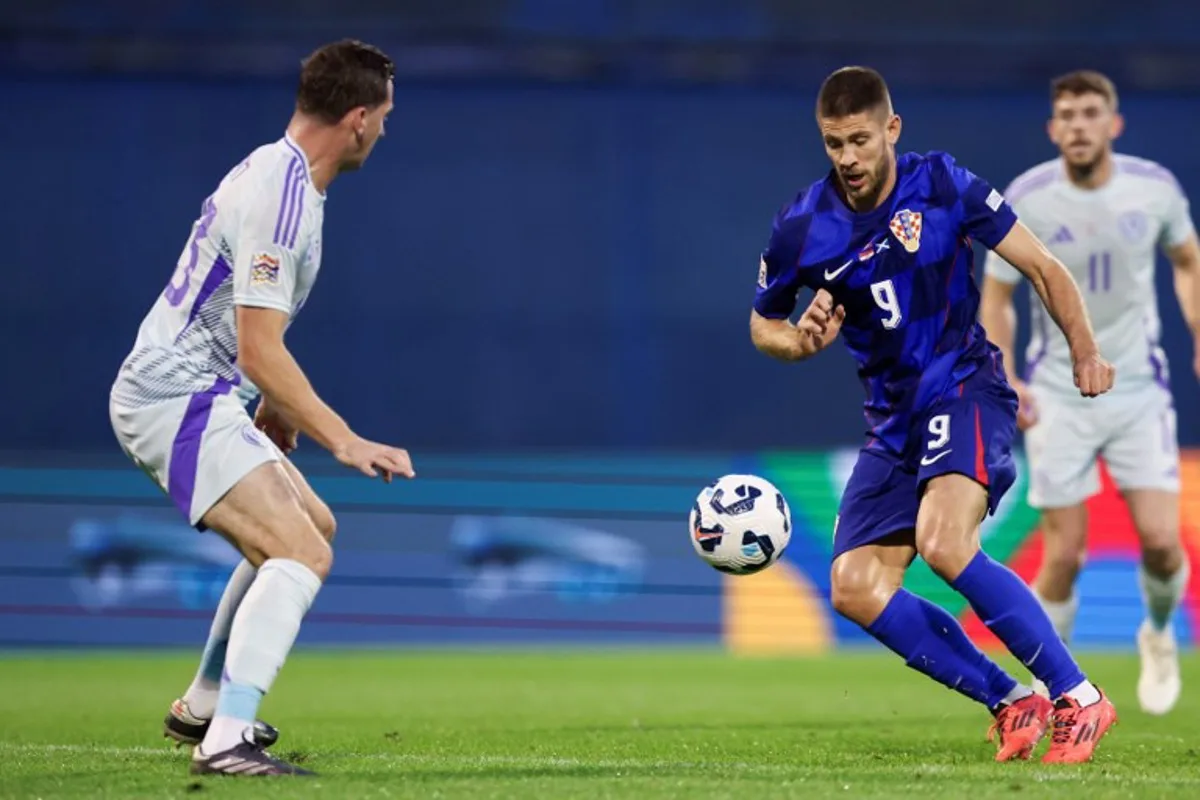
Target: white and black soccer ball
x=740, y=524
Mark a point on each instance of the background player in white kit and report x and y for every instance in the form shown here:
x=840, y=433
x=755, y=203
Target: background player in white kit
x=211, y=343
x=1105, y=216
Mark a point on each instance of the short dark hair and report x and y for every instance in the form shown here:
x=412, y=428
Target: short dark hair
x=340, y=76
x=1084, y=81
x=852, y=90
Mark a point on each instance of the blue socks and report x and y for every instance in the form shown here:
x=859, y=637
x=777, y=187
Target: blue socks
x=933, y=643
x=1011, y=611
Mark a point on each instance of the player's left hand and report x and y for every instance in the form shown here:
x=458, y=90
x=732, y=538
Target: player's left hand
x=821, y=321
x=270, y=421
x=1093, y=375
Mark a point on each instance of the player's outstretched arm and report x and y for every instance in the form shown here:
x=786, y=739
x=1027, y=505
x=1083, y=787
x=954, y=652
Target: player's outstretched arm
x=265, y=360
x=1185, y=258
x=817, y=327
x=1062, y=299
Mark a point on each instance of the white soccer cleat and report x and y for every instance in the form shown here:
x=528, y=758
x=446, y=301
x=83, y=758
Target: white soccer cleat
x=1159, y=683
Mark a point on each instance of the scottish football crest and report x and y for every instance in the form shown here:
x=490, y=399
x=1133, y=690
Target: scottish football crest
x=906, y=227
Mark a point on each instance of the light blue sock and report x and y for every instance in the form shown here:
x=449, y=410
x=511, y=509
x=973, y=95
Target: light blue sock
x=239, y=701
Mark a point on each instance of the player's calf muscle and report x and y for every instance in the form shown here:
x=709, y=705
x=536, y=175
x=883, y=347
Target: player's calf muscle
x=1064, y=532
x=1156, y=517
x=1059, y=570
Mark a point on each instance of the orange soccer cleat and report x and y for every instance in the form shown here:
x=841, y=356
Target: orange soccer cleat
x=1078, y=729
x=1020, y=726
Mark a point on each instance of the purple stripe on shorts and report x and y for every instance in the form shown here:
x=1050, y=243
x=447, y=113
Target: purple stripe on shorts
x=216, y=276
x=286, y=200
x=185, y=450
x=298, y=209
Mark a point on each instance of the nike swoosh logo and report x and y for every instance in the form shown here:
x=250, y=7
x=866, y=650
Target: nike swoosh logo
x=831, y=275
x=1033, y=657
x=927, y=460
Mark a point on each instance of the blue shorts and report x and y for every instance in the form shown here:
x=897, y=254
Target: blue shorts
x=969, y=433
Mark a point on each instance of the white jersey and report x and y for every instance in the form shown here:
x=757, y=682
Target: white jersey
x=1109, y=239
x=257, y=243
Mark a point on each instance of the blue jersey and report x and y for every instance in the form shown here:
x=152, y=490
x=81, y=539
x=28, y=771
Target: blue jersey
x=905, y=274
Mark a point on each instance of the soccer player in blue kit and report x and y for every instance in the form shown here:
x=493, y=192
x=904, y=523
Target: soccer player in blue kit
x=885, y=244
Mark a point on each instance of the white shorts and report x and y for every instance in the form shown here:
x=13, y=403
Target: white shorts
x=196, y=448
x=1135, y=434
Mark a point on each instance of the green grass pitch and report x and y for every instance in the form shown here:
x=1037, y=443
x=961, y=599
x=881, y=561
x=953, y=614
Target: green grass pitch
x=628, y=724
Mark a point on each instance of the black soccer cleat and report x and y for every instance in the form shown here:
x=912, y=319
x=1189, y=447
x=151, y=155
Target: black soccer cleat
x=246, y=760
x=184, y=728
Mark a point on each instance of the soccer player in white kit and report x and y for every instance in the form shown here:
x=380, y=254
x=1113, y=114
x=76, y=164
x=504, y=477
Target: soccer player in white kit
x=212, y=342
x=1105, y=216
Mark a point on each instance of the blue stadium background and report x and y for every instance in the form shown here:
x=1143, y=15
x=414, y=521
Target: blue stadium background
x=555, y=247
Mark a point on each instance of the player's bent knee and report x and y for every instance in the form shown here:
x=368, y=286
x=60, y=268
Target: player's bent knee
x=1162, y=560
x=1159, y=535
x=946, y=547
x=856, y=606
x=316, y=555
x=947, y=535
x=325, y=521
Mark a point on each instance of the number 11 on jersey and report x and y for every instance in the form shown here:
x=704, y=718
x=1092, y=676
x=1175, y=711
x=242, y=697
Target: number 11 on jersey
x=1100, y=272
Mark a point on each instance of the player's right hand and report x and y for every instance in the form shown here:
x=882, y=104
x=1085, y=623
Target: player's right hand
x=373, y=459
x=1093, y=375
x=1027, y=413
x=276, y=426
x=821, y=321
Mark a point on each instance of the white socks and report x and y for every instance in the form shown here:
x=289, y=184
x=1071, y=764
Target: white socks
x=264, y=629
x=1062, y=614
x=1162, y=596
x=1085, y=694
x=201, y=696
x=228, y=732
x=1019, y=692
